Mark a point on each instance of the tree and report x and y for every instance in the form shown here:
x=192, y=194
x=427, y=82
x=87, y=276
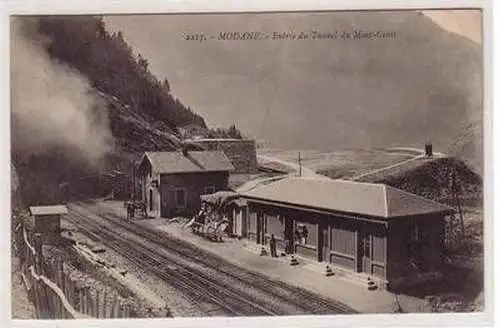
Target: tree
x=143, y=63
x=166, y=87
x=108, y=61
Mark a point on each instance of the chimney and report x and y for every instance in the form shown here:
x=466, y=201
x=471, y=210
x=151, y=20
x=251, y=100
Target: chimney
x=428, y=149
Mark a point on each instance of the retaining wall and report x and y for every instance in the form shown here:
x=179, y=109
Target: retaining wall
x=241, y=153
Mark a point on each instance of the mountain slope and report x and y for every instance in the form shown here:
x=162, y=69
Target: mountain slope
x=84, y=107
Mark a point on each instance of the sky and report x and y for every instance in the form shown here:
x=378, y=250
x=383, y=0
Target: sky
x=463, y=22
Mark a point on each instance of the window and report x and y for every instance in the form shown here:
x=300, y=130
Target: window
x=416, y=232
x=414, y=247
x=343, y=239
x=164, y=198
x=208, y=190
x=367, y=245
x=180, y=198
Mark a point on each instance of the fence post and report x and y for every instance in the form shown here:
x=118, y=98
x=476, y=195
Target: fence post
x=104, y=304
x=60, y=284
x=96, y=304
x=45, y=297
x=36, y=298
x=39, y=254
x=85, y=300
x=127, y=311
x=51, y=276
x=124, y=311
x=68, y=291
x=81, y=299
x=119, y=312
x=116, y=308
x=65, y=291
x=92, y=304
x=37, y=264
x=89, y=301
x=72, y=292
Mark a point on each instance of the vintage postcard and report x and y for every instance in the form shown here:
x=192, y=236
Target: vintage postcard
x=319, y=163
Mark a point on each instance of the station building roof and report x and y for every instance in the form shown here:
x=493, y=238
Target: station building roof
x=376, y=200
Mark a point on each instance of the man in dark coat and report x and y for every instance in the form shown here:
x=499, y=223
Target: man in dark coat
x=272, y=245
x=130, y=211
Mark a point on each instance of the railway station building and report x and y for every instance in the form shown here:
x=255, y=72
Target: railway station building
x=172, y=182
x=371, y=230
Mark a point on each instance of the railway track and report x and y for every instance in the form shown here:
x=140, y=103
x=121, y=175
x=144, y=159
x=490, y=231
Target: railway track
x=198, y=288
x=300, y=301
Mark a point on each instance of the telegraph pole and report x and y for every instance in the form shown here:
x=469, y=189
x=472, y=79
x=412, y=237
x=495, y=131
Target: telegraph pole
x=300, y=166
x=133, y=181
x=456, y=197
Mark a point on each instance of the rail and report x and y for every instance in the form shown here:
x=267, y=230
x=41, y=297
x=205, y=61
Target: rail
x=196, y=286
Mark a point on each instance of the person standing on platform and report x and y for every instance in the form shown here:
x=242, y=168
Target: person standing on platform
x=272, y=245
x=305, y=233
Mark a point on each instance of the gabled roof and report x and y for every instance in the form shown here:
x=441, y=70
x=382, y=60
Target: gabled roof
x=370, y=199
x=193, y=161
x=48, y=210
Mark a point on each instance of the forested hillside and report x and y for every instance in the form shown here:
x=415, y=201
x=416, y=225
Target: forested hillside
x=433, y=180
x=110, y=65
x=85, y=105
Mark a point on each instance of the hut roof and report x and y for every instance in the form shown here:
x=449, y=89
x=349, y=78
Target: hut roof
x=48, y=210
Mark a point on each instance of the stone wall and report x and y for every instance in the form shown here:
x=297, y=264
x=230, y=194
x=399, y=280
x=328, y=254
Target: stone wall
x=241, y=153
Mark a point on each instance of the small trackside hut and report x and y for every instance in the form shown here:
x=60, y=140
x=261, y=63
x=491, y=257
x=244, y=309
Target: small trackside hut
x=371, y=230
x=47, y=221
x=172, y=182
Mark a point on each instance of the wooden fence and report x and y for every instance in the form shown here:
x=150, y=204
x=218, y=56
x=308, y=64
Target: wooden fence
x=55, y=294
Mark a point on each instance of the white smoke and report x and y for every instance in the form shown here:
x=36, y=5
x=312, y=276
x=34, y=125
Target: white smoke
x=52, y=104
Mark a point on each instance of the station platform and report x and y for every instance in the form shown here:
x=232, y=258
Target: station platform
x=307, y=274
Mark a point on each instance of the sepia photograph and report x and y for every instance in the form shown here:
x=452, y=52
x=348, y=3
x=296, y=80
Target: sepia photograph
x=247, y=164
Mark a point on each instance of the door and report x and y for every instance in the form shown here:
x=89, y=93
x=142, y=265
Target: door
x=150, y=200
x=365, y=251
x=323, y=243
x=237, y=222
x=232, y=221
x=244, y=221
x=289, y=236
x=261, y=228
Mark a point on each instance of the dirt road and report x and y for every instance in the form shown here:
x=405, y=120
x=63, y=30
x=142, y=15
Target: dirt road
x=419, y=154
x=398, y=166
